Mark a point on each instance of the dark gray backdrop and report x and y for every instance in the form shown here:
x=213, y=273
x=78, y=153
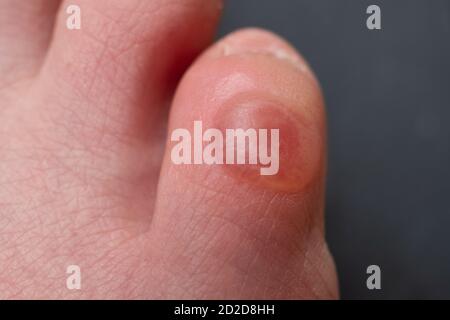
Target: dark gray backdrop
x=388, y=101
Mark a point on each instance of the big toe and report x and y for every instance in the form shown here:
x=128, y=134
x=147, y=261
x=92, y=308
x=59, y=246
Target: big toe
x=249, y=222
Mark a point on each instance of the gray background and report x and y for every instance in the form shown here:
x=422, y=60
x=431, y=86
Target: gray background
x=388, y=101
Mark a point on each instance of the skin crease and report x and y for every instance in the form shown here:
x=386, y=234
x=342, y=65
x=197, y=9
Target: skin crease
x=85, y=170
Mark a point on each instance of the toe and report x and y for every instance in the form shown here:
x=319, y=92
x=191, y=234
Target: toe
x=256, y=226
x=127, y=53
x=101, y=96
x=25, y=32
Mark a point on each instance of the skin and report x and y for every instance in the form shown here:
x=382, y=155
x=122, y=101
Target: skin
x=85, y=171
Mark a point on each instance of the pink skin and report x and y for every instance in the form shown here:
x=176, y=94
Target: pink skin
x=85, y=171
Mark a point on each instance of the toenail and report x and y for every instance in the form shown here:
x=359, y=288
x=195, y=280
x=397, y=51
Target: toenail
x=262, y=42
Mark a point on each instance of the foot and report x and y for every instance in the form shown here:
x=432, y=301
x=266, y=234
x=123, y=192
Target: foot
x=86, y=174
